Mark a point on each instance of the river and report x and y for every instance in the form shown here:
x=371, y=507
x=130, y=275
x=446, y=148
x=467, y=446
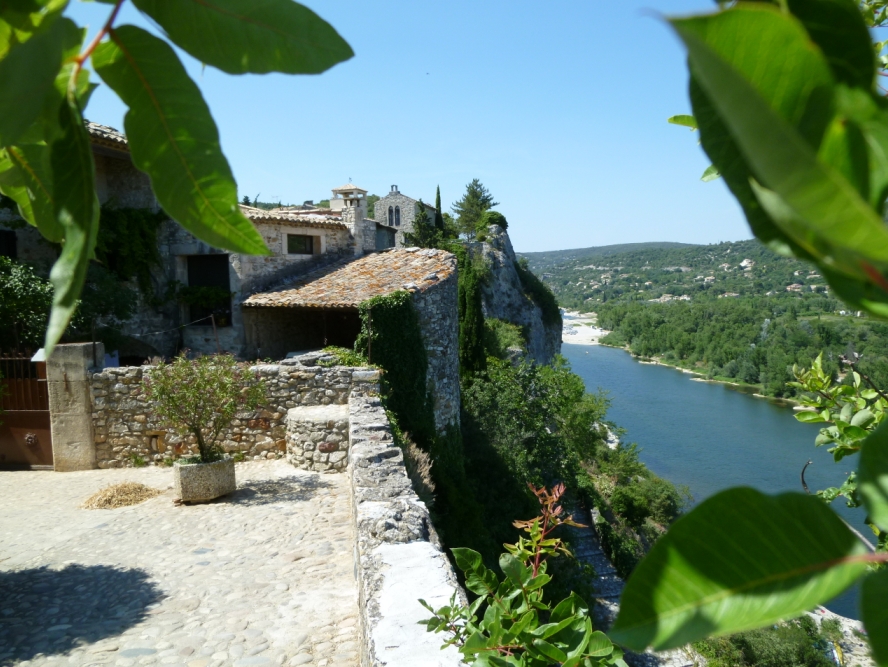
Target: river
x=711, y=437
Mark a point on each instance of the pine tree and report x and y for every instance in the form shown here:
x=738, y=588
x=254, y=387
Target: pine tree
x=471, y=207
x=424, y=234
x=245, y=201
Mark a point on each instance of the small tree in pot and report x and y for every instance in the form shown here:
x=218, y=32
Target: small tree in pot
x=200, y=397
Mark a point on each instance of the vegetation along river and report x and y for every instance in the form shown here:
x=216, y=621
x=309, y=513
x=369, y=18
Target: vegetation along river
x=711, y=437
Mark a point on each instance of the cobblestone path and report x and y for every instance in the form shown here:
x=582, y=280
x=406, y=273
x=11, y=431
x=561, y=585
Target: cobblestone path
x=262, y=577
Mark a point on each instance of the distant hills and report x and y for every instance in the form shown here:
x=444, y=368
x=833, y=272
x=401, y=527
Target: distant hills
x=541, y=259
x=584, y=277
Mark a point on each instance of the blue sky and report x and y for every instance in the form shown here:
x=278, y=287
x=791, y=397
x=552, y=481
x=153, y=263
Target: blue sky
x=559, y=108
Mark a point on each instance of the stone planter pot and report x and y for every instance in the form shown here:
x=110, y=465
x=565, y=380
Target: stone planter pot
x=200, y=482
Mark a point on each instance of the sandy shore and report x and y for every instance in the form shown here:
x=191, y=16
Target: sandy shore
x=581, y=328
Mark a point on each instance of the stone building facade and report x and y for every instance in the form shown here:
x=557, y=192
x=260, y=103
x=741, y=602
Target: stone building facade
x=322, y=308
x=398, y=212
x=125, y=428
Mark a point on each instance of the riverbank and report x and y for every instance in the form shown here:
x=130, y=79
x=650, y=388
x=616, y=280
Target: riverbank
x=581, y=328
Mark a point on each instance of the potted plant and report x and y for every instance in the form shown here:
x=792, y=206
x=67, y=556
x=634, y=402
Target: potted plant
x=199, y=398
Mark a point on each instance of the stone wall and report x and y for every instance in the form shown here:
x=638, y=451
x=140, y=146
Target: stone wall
x=125, y=427
x=398, y=554
x=409, y=209
x=438, y=311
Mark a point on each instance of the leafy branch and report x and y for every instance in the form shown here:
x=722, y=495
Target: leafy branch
x=46, y=163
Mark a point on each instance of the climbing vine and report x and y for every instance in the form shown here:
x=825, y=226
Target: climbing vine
x=127, y=244
x=539, y=292
x=472, y=356
x=391, y=339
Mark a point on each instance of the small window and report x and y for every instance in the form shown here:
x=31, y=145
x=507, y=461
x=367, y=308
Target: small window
x=397, y=216
x=391, y=216
x=298, y=244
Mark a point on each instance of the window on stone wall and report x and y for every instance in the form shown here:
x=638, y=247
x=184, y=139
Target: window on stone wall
x=209, y=272
x=8, y=246
x=397, y=216
x=298, y=244
x=391, y=216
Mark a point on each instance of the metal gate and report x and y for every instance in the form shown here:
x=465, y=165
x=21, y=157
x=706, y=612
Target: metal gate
x=25, y=440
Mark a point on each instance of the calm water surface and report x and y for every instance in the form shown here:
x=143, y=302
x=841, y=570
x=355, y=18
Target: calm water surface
x=711, y=437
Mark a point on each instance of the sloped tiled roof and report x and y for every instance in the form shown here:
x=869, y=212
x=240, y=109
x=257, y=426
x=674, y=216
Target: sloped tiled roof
x=293, y=219
x=108, y=136
x=347, y=284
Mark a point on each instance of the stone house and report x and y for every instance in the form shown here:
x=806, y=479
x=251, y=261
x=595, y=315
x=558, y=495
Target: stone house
x=321, y=308
x=397, y=212
x=299, y=241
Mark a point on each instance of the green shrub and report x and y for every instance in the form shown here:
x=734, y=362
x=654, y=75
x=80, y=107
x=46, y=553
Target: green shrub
x=344, y=357
x=650, y=497
x=500, y=335
x=540, y=293
x=490, y=217
x=199, y=397
x=796, y=643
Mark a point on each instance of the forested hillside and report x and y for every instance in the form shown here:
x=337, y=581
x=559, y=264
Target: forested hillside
x=732, y=311
x=582, y=279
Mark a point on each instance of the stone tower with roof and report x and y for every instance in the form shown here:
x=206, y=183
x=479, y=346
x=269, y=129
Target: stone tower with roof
x=350, y=202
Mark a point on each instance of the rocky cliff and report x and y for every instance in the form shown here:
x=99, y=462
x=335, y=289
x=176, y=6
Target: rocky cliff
x=505, y=298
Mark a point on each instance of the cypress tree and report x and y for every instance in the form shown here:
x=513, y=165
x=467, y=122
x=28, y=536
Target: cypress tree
x=471, y=317
x=439, y=216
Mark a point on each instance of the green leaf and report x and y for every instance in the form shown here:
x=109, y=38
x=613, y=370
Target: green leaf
x=258, y=36
x=775, y=114
x=466, y=559
x=77, y=209
x=809, y=417
x=26, y=177
x=684, y=120
x=838, y=28
x=548, y=650
x=710, y=174
x=173, y=138
x=738, y=561
x=874, y=612
x=27, y=75
x=872, y=476
x=599, y=645
x=513, y=569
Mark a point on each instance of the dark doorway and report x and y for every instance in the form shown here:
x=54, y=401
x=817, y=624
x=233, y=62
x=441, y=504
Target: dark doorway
x=274, y=332
x=209, y=290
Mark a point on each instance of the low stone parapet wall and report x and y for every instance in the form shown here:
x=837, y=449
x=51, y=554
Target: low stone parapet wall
x=126, y=430
x=317, y=437
x=397, y=554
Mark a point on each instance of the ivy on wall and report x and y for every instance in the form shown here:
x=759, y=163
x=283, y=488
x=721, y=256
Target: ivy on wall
x=127, y=244
x=472, y=356
x=391, y=339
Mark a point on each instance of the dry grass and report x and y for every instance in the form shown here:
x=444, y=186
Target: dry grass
x=419, y=470
x=120, y=495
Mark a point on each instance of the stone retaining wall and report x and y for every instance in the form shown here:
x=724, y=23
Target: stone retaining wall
x=125, y=427
x=397, y=554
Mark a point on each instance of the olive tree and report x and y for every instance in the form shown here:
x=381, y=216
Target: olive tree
x=200, y=397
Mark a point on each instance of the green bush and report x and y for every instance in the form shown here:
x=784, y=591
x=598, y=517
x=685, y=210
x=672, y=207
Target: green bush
x=199, y=397
x=540, y=293
x=796, y=643
x=500, y=335
x=345, y=357
x=650, y=497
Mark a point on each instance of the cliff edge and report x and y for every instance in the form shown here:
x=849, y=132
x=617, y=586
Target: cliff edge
x=505, y=297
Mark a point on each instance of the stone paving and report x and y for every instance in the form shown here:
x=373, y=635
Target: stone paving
x=262, y=577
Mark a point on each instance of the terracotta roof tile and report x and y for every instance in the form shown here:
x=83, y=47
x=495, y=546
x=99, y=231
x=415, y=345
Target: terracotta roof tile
x=348, y=283
x=107, y=135
x=294, y=219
